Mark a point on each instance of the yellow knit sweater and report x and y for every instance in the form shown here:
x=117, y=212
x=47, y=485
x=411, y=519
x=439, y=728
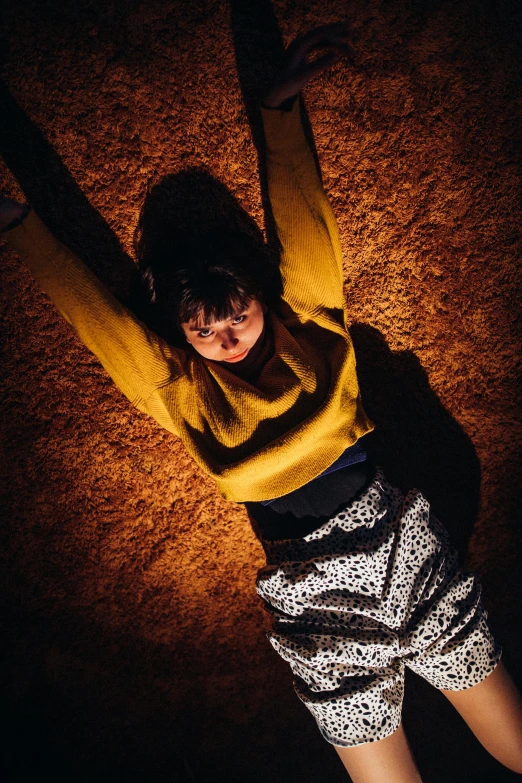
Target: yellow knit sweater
x=258, y=439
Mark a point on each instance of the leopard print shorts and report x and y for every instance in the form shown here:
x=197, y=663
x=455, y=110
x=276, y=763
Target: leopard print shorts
x=375, y=589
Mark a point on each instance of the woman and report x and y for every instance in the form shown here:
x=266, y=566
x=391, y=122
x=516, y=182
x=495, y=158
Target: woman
x=264, y=394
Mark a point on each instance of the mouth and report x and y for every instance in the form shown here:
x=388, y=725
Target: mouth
x=237, y=357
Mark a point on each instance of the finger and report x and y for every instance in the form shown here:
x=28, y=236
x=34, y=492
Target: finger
x=320, y=64
x=336, y=52
x=326, y=34
x=327, y=31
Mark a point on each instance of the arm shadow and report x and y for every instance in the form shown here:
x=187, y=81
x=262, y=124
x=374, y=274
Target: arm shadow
x=259, y=49
x=416, y=440
x=56, y=197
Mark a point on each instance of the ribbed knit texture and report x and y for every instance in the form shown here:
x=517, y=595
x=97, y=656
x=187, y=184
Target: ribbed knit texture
x=257, y=439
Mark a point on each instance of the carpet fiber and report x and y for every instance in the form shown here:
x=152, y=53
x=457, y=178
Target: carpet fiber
x=133, y=642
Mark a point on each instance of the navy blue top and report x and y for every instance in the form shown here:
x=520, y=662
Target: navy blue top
x=351, y=456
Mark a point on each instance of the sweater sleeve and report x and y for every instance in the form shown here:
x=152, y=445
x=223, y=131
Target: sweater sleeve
x=137, y=360
x=311, y=261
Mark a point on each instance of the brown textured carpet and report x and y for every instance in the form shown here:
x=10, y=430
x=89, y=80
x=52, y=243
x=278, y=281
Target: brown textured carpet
x=133, y=642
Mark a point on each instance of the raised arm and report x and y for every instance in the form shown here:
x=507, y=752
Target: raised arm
x=311, y=263
x=137, y=360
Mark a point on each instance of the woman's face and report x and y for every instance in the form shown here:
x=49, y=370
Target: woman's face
x=230, y=340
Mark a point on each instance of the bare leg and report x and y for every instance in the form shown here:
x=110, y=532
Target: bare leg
x=386, y=761
x=493, y=711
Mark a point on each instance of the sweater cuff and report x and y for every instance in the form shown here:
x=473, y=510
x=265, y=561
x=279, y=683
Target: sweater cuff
x=32, y=240
x=283, y=129
x=17, y=221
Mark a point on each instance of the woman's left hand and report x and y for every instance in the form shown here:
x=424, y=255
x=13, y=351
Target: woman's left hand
x=298, y=69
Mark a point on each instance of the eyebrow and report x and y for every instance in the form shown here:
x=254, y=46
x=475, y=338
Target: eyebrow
x=209, y=326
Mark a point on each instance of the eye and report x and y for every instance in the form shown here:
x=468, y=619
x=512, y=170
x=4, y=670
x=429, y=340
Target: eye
x=205, y=333
x=239, y=319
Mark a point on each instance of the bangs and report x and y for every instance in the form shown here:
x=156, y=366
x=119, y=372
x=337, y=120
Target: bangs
x=204, y=278
x=215, y=298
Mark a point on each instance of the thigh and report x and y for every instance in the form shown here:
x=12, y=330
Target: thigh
x=447, y=639
x=325, y=592
x=364, y=708
x=461, y=651
x=493, y=711
x=389, y=760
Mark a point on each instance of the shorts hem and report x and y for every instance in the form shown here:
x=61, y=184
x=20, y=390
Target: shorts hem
x=357, y=743
x=469, y=684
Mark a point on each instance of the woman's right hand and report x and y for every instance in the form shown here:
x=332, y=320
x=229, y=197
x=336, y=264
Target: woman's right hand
x=10, y=210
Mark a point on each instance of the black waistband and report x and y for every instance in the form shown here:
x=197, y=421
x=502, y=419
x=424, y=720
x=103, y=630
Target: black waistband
x=305, y=510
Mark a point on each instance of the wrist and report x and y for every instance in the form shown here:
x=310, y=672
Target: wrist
x=276, y=102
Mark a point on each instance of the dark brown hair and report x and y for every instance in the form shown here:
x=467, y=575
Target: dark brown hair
x=207, y=277
x=200, y=255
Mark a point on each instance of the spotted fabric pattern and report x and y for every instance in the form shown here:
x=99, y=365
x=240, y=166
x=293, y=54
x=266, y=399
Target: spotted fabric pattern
x=376, y=588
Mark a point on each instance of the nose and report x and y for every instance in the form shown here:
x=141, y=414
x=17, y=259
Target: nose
x=228, y=340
